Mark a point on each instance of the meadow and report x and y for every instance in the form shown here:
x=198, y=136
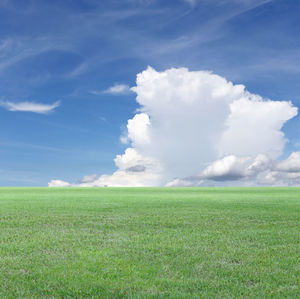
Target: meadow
x=149, y=242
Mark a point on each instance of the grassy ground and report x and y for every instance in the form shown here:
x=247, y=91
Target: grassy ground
x=149, y=243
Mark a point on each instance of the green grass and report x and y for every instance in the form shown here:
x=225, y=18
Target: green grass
x=150, y=242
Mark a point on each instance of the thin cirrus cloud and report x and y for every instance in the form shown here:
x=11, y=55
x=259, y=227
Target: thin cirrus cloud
x=195, y=127
x=30, y=107
x=191, y=2
x=117, y=89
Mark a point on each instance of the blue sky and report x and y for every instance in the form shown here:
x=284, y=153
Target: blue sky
x=72, y=52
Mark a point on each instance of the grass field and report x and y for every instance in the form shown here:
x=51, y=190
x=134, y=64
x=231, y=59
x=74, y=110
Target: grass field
x=150, y=242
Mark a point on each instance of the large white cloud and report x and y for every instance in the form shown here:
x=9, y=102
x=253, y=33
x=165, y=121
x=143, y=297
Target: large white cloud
x=197, y=124
x=198, y=117
x=187, y=111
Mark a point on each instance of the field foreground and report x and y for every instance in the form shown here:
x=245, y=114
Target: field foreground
x=149, y=242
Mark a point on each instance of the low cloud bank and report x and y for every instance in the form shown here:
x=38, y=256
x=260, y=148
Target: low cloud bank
x=58, y=183
x=196, y=127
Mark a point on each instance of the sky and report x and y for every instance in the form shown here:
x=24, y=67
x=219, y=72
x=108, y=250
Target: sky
x=149, y=92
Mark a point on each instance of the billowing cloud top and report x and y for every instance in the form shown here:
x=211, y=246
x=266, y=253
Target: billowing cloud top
x=197, y=126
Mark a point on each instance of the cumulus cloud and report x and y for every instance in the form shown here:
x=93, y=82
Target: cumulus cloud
x=291, y=164
x=278, y=178
x=232, y=168
x=284, y=173
x=58, y=183
x=137, y=130
x=260, y=170
x=133, y=170
x=198, y=117
x=256, y=124
x=30, y=107
x=194, y=126
x=88, y=179
x=190, y=182
x=229, y=168
x=136, y=168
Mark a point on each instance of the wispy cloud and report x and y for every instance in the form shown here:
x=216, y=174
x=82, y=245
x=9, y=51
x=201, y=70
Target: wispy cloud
x=30, y=146
x=30, y=107
x=191, y=2
x=117, y=89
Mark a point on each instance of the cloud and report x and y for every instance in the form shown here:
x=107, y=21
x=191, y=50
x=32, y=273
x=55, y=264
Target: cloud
x=257, y=124
x=277, y=178
x=133, y=170
x=191, y=2
x=291, y=164
x=88, y=179
x=199, y=117
x=30, y=107
x=58, y=183
x=118, y=89
x=284, y=173
x=260, y=171
x=229, y=168
x=232, y=168
x=136, y=168
x=195, y=126
x=184, y=183
x=137, y=130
